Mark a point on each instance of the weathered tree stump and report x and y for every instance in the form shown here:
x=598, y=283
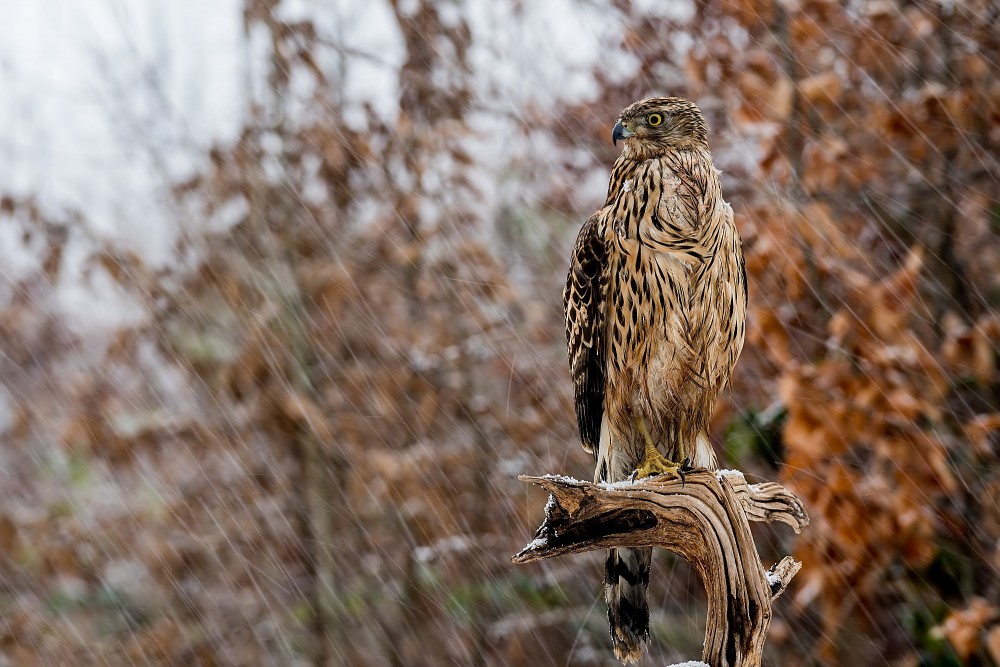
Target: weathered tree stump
x=704, y=518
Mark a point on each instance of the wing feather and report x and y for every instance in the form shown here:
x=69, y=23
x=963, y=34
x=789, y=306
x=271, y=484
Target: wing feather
x=584, y=307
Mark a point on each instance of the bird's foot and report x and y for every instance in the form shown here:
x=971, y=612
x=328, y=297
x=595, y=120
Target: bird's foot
x=657, y=464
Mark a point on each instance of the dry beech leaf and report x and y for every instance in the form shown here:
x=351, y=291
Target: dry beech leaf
x=824, y=87
x=993, y=643
x=963, y=628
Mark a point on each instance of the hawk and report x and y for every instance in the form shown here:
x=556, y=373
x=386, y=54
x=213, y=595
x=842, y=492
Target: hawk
x=655, y=305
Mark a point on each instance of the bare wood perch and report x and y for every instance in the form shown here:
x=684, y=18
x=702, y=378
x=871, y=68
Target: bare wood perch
x=705, y=520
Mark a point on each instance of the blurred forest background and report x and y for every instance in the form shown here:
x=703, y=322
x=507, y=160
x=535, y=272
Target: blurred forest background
x=299, y=444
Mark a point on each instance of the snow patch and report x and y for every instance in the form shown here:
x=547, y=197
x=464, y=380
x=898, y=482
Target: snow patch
x=621, y=484
x=563, y=479
x=537, y=543
x=550, y=504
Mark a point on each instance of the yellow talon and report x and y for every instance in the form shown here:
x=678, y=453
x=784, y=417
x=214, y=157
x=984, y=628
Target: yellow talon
x=655, y=462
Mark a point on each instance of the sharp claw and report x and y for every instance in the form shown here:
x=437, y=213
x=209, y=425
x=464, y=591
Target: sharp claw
x=684, y=468
x=656, y=465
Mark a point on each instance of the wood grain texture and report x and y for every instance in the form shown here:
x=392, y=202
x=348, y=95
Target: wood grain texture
x=705, y=520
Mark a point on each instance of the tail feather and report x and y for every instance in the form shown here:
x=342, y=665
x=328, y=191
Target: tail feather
x=626, y=578
x=626, y=571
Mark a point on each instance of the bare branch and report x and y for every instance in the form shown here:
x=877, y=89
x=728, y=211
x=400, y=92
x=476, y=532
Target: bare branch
x=704, y=519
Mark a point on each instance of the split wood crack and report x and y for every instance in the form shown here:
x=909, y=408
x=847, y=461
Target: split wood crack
x=703, y=518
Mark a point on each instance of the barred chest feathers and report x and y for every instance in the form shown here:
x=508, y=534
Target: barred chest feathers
x=677, y=295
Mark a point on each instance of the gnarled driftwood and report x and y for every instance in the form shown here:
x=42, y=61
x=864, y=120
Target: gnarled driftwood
x=703, y=518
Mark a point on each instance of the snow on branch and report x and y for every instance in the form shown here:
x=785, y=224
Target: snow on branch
x=704, y=518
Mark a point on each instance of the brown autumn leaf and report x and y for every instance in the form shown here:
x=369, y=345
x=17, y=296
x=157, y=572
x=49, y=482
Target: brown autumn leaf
x=822, y=88
x=963, y=628
x=993, y=643
x=969, y=349
x=981, y=431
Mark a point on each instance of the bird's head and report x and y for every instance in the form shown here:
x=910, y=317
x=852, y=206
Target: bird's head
x=655, y=125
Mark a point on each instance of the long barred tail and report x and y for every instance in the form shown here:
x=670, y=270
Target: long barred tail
x=626, y=577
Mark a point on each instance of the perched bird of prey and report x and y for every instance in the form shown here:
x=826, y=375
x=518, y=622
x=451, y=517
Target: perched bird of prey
x=655, y=306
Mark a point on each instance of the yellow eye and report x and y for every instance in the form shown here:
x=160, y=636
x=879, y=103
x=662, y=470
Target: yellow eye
x=654, y=119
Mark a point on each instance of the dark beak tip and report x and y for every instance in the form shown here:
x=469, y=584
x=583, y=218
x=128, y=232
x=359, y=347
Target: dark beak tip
x=618, y=132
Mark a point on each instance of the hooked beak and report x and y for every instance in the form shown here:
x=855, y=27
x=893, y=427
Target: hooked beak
x=620, y=132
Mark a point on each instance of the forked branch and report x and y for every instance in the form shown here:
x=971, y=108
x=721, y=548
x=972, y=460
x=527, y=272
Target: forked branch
x=704, y=519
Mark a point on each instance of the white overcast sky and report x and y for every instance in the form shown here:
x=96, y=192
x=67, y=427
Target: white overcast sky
x=103, y=99
x=102, y=102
